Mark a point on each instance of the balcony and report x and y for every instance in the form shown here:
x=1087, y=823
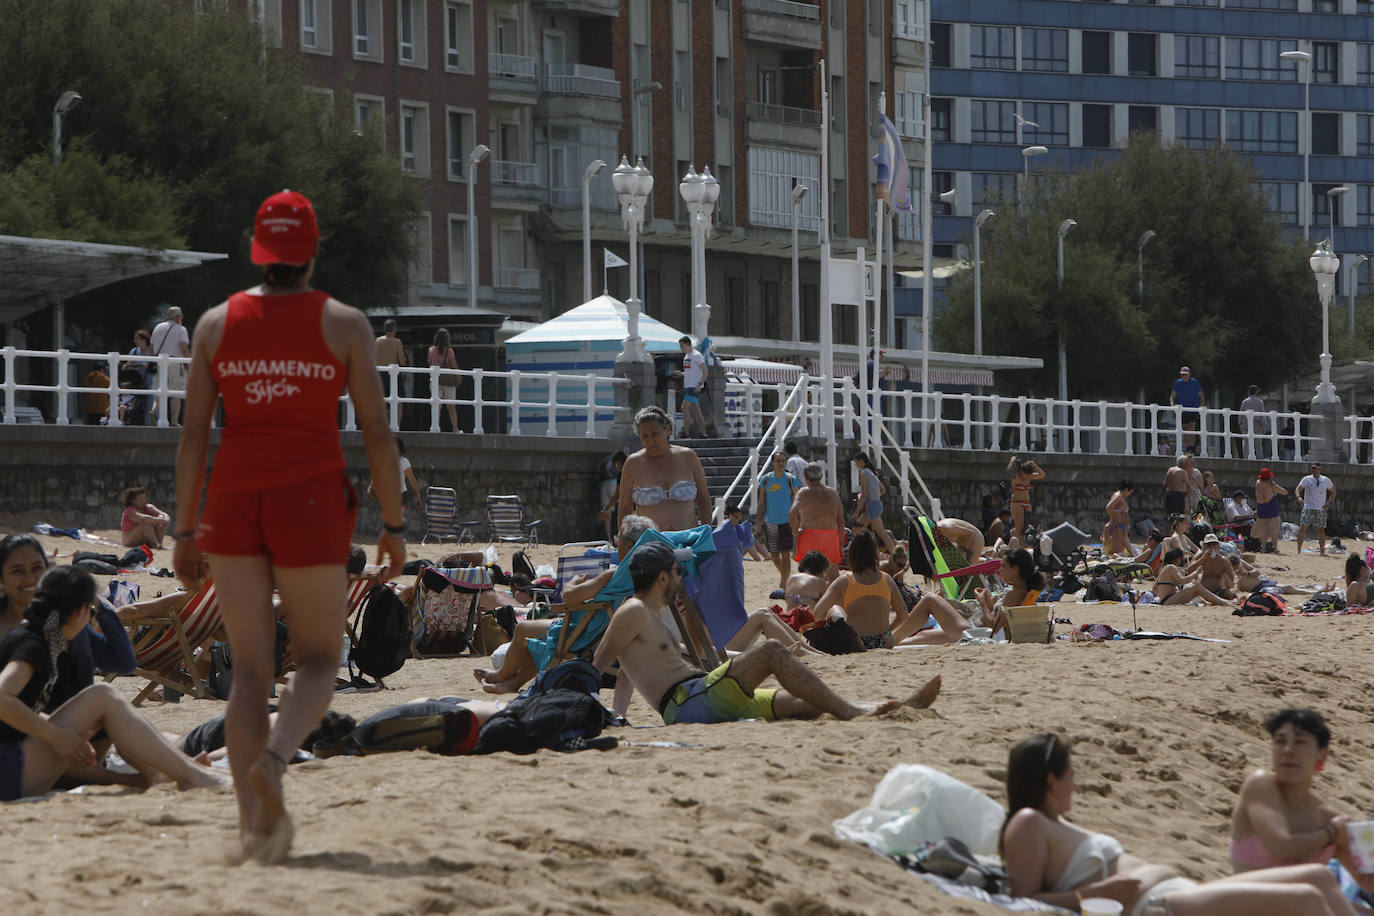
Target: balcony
x=520, y=279
x=783, y=22
x=513, y=73
x=571, y=197
x=579, y=93
x=585, y=7
x=781, y=125
x=515, y=181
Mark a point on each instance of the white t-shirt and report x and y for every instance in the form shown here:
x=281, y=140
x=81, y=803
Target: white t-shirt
x=693, y=368
x=1314, y=491
x=1234, y=510
x=171, y=339
x=405, y=466
x=796, y=466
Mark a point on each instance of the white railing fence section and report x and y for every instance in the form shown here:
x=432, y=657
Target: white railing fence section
x=789, y=412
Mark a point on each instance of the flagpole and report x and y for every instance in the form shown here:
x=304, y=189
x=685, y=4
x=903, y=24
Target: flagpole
x=872, y=384
x=826, y=306
x=927, y=286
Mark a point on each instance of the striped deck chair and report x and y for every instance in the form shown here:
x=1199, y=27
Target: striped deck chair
x=506, y=516
x=441, y=517
x=166, y=653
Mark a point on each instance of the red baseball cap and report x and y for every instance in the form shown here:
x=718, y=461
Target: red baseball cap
x=285, y=231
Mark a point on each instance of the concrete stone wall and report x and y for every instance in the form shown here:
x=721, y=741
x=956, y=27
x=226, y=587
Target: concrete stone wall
x=79, y=475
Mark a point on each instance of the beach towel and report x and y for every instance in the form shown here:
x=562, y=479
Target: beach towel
x=717, y=590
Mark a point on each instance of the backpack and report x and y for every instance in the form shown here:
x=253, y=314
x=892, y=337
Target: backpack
x=221, y=678
x=438, y=726
x=574, y=674
x=1262, y=604
x=383, y=643
x=1103, y=587
x=561, y=718
x=834, y=636
x=520, y=565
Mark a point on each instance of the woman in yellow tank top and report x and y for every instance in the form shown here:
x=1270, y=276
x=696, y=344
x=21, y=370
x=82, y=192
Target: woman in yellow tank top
x=865, y=596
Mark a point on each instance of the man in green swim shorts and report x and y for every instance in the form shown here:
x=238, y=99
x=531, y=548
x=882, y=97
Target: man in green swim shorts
x=652, y=658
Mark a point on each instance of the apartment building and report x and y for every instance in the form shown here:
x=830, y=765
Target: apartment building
x=552, y=85
x=1198, y=72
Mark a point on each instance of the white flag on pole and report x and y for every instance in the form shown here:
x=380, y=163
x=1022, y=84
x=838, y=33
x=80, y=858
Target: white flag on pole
x=613, y=260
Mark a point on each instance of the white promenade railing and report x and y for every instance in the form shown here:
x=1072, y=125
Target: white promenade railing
x=573, y=402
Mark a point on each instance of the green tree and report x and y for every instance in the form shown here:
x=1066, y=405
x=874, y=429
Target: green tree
x=187, y=122
x=1226, y=291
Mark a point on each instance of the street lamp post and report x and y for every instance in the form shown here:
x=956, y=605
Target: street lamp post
x=633, y=185
x=1026, y=154
x=1306, y=58
x=479, y=152
x=1350, y=287
x=798, y=192
x=978, y=222
x=1331, y=195
x=592, y=171
x=65, y=103
x=700, y=193
x=1326, y=407
x=1140, y=265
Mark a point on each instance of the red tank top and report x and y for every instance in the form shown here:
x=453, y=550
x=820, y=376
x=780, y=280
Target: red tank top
x=281, y=385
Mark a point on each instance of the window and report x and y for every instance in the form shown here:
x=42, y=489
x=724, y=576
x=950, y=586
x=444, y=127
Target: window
x=1326, y=62
x=943, y=181
x=837, y=104
x=1364, y=64
x=1364, y=204
x=1097, y=52
x=316, y=28
x=940, y=121
x=737, y=309
x=1045, y=49
x=911, y=19
x=1283, y=199
x=992, y=47
x=1325, y=6
x=1051, y=120
x=682, y=81
x=725, y=204
x=1140, y=54
x=1142, y=117
x=458, y=35
x=1197, y=127
x=1326, y=133
x=940, y=41
x=461, y=130
x=772, y=174
x=411, y=46
x=1262, y=4
x=369, y=112
x=414, y=127
x=907, y=104
x=1262, y=131
x=1196, y=3
x=723, y=84
x=1364, y=135
x=1258, y=59
x=991, y=187
x=457, y=250
x=991, y=121
x=367, y=29
x=768, y=86
x=770, y=298
x=1097, y=125
x=1197, y=56
x=839, y=209
x=1325, y=207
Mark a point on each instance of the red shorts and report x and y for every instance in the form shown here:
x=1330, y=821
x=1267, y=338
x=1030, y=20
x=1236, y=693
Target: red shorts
x=307, y=523
x=827, y=542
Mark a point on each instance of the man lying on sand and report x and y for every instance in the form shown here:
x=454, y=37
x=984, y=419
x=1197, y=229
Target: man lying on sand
x=650, y=655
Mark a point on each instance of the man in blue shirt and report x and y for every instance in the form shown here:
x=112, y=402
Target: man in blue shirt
x=1187, y=393
x=776, y=491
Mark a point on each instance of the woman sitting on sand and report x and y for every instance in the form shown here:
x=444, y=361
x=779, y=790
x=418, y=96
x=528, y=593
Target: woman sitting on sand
x=1356, y=581
x=1024, y=584
x=38, y=673
x=142, y=523
x=865, y=595
x=1173, y=587
x=1060, y=863
x=663, y=481
x=1278, y=819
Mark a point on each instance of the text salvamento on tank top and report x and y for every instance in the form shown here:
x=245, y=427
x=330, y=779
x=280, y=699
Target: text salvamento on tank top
x=269, y=376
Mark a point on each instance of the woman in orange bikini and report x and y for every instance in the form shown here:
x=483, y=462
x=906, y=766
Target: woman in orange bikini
x=866, y=594
x=1023, y=472
x=280, y=510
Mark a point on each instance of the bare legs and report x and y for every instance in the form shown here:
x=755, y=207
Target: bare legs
x=1018, y=518
x=952, y=623
x=145, y=533
x=101, y=706
x=692, y=416
x=766, y=623
x=1321, y=538
x=313, y=599
x=783, y=562
x=1189, y=592
x=1296, y=890
x=803, y=693
x=885, y=538
x=518, y=666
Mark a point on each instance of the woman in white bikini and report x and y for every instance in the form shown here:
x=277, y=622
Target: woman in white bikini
x=1060, y=863
x=662, y=481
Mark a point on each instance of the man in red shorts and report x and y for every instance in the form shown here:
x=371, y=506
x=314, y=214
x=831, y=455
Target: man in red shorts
x=818, y=518
x=280, y=509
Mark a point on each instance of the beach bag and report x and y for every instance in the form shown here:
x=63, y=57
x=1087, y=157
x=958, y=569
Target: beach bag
x=1252, y=545
x=1262, y=604
x=121, y=592
x=1323, y=603
x=437, y=726
x=834, y=636
x=489, y=634
x=383, y=643
x=221, y=678
x=520, y=565
x=1103, y=587
x=446, y=610
x=562, y=718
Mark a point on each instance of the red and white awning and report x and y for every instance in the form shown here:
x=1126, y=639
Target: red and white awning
x=763, y=371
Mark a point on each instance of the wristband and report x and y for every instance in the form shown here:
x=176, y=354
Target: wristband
x=184, y=536
x=394, y=529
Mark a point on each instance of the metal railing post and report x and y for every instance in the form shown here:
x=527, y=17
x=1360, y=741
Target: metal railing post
x=514, y=426
x=591, y=407
x=433, y=401
x=162, y=366
x=477, y=402
x=62, y=388
x=551, y=427
x=112, y=411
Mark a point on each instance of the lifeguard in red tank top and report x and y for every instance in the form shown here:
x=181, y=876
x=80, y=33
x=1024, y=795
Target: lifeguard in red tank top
x=281, y=385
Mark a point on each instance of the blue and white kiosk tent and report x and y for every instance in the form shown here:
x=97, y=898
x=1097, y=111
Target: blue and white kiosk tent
x=582, y=341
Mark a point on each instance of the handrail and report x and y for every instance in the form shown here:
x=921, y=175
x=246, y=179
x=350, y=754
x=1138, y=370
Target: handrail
x=776, y=430
x=907, y=470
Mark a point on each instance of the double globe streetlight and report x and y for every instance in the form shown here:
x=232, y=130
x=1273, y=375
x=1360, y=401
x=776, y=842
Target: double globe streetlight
x=633, y=185
x=700, y=193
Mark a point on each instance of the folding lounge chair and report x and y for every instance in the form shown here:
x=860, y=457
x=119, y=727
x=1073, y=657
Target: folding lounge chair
x=446, y=609
x=506, y=516
x=441, y=517
x=930, y=555
x=590, y=558
x=169, y=646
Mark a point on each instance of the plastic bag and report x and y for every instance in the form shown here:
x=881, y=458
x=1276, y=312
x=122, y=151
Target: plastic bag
x=914, y=804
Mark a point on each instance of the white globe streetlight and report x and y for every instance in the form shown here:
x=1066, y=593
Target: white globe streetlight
x=1324, y=265
x=592, y=171
x=633, y=185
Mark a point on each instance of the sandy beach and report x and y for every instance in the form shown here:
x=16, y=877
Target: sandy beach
x=731, y=818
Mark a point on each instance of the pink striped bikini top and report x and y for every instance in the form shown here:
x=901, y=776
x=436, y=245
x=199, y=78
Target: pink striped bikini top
x=1250, y=853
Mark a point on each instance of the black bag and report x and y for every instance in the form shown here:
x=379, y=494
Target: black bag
x=1103, y=587
x=438, y=726
x=221, y=678
x=558, y=719
x=520, y=565
x=384, y=638
x=1199, y=531
x=835, y=636
x=97, y=567
x=1252, y=545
